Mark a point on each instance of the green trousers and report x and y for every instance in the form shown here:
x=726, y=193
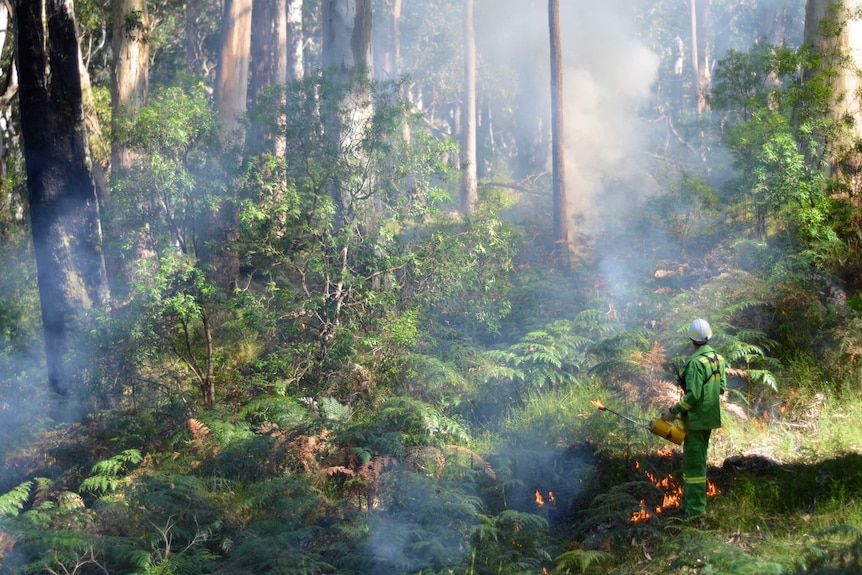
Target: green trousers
x=694, y=471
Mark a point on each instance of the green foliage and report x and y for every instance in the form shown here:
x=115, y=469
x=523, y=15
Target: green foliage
x=698, y=550
x=542, y=360
x=12, y=502
x=690, y=212
x=402, y=422
x=167, y=199
x=423, y=523
x=106, y=474
x=511, y=542
x=582, y=561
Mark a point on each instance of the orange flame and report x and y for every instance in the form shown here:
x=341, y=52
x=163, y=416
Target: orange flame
x=641, y=514
x=597, y=403
x=672, y=497
x=540, y=501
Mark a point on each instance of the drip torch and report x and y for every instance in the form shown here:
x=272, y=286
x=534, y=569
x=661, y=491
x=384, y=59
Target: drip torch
x=664, y=429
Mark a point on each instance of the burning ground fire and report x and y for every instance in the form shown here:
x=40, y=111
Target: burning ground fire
x=540, y=501
x=672, y=488
x=671, y=499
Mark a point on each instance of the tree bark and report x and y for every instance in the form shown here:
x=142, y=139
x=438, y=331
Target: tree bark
x=469, y=182
x=263, y=47
x=347, y=59
x=295, y=40
x=347, y=37
x=231, y=92
x=560, y=209
x=130, y=79
x=63, y=206
x=701, y=47
x=834, y=31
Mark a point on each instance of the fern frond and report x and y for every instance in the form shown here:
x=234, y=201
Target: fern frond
x=12, y=502
x=580, y=560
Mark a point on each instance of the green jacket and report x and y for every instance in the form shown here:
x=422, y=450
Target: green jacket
x=705, y=381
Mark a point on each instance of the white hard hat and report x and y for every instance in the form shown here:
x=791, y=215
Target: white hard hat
x=699, y=331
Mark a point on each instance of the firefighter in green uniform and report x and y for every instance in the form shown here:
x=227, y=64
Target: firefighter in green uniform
x=700, y=411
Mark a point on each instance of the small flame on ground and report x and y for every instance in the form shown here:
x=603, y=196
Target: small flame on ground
x=540, y=501
x=641, y=514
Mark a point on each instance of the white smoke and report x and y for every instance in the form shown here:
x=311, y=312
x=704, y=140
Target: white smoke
x=607, y=74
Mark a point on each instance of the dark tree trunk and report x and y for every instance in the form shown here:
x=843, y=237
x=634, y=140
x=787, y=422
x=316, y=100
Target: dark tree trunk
x=262, y=47
x=63, y=207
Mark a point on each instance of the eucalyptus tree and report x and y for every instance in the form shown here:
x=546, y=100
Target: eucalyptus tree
x=63, y=205
x=295, y=65
x=347, y=60
x=834, y=32
x=560, y=209
x=469, y=184
x=130, y=71
x=231, y=87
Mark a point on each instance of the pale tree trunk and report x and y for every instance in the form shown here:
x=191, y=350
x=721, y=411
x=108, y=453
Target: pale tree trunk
x=834, y=31
x=231, y=99
x=231, y=92
x=347, y=37
x=63, y=206
x=129, y=87
x=279, y=57
x=701, y=48
x=10, y=82
x=130, y=80
x=469, y=181
x=560, y=204
x=295, y=40
x=347, y=59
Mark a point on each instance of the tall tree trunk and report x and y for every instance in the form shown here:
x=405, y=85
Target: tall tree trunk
x=263, y=47
x=469, y=182
x=347, y=59
x=834, y=31
x=231, y=93
x=347, y=38
x=701, y=47
x=129, y=88
x=561, y=210
x=63, y=206
x=295, y=40
x=130, y=79
x=231, y=99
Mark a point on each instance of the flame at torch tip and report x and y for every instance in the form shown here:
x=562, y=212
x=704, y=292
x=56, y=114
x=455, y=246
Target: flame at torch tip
x=598, y=404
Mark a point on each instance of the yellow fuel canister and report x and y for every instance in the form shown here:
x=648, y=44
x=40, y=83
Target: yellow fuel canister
x=667, y=430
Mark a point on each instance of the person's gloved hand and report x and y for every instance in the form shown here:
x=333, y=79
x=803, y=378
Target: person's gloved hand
x=668, y=415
